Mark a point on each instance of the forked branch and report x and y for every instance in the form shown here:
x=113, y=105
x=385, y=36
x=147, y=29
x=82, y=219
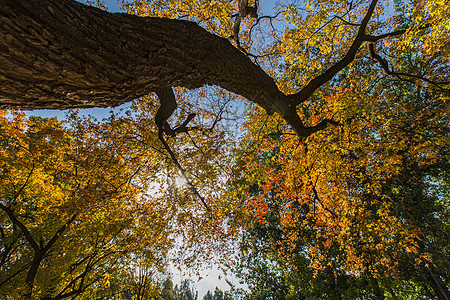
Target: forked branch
x=315, y=83
x=244, y=10
x=167, y=107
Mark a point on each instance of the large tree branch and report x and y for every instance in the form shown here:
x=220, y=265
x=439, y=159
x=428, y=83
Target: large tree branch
x=62, y=54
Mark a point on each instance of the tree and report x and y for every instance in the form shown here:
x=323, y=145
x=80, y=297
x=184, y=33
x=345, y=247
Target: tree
x=167, y=291
x=185, y=291
x=329, y=168
x=70, y=211
x=158, y=54
x=354, y=200
x=218, y=295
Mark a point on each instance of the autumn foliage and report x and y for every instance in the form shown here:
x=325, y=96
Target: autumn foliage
x=356, y=209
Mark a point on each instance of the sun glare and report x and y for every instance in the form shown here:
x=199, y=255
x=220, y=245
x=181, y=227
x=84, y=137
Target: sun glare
x=179, y=181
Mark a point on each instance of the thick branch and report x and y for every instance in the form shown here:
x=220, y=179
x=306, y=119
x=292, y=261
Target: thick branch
x=62, y=54
x=167, y=106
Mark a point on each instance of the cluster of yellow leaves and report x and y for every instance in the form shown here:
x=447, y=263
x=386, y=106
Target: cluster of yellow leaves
x=214, y=15
x=436, y=15
x=319, y=34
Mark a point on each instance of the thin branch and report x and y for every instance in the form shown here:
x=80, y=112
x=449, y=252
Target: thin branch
x=346, y=22
x=375, y=38
x=261, y=18
x=22, y=227
x=23, y=268
x=316, y=197
x=258, y=135
x=385, y=66
x=145, y=143
x=25, y=184
x=315, y=83
x=58, y=233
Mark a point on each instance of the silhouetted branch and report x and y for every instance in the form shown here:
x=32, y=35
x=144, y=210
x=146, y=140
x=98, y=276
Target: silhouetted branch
x=385, y=66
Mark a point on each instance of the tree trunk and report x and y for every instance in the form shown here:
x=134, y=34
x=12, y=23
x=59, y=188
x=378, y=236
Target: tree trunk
x=60, y=54
x=31, y=274
x=378, y=293
x=435, y=280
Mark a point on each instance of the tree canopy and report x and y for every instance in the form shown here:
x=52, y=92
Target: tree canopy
x=330, y=182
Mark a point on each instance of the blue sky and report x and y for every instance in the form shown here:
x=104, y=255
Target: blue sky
x=113, y=5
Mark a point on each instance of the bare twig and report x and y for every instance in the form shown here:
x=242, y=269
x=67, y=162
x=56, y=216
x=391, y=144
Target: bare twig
x=167, y=107
x=181, y=169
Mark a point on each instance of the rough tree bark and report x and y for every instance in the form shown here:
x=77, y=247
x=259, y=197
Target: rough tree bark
x=61, y=54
